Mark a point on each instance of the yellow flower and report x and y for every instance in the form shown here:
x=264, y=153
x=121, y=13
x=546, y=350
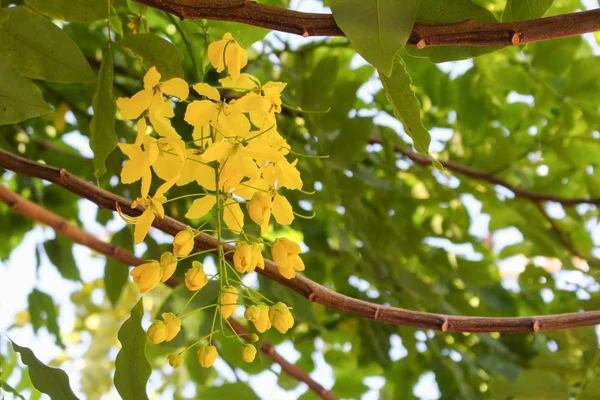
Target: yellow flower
x=147, y=275
x=281, y=317
x=200, y=207
x=175, y=360
x=257, y=254
x=284, y=173
x=248, y=353
x=183, y=243
x=157, y=332
x=140, y=159
x=173, y=324
x=171, y=157
x=207, y=356
x=272, y=92
x=134, y=106
x=242, y=258
x=259, y=209
x=168, y=262
x=259, y=316
x=243, y=82
x=282, y=210
x=227, y=53
x=286, y=257
x=195, y=168
x=195, y=278
x=228, y=301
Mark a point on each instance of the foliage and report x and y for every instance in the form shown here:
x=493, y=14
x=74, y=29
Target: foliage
x=386, y=229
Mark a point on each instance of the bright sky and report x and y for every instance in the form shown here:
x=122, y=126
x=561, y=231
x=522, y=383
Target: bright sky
x=18, y=275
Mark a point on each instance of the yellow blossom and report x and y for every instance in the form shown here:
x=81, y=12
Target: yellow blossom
x=158, y=332
x=140, y=158
x=147, y=275
x=243, y=82
x=228, y=301
x=233, y=216
x=259, y=316
x=183, y=243
x=195, y=168
x=227, y=53
x=195, y=277
x=242, y=258
x=173, y=325
x=200, y=207
x=286, y=255
x=175, y=360
x=284, y=173
x=248, y=353
x=272, y=91
x=259, y=209
x=257, y=254
x=207, y=356
x=281, y=317
x=168, y=262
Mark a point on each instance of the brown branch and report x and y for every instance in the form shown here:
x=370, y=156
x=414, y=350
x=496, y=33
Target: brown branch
x=467, y=33
x=304, y=286
x=40, y=214
x=491, y=178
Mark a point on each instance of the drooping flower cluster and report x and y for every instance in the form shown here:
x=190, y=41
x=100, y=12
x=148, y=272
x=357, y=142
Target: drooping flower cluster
x=237, y=159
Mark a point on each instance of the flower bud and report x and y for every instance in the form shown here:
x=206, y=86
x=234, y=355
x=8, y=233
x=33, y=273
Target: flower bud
x=207, y=356
x=256, y=253
x=242, y=258
x=228, y=303
x=175, y=360
x=173, y=324
x=157, y=332
x=147, y=275
x=259, y=209
x=168, y=262
x=254, y=338
x=286, y=257
x=248, y=353
x=183, y=244
x=259, y=316
x=281, y=317
x=195, y=278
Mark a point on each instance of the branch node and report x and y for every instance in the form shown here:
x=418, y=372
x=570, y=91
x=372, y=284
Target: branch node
x=311, y=296
x=445, y=324
x=516, y=38
x=376, y=316
x=536, y=325
x=305, y=34
x=421, y=44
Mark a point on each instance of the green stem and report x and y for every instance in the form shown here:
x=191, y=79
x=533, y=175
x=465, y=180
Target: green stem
x=185, y=196
x=197, y=309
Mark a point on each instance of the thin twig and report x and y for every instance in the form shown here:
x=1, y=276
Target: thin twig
x=466, y=33
x=311, y=290
x=40, y=214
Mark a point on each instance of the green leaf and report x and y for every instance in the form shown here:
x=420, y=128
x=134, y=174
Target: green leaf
x=20, y=99
x=377, y=28
x=73, y=11
x=42, y=311
x=435, y=11
x=3, y=16
x=41, y=50
x=407, y=108
x=116, y=274
x=533, y=384
x=9, y=389
x=519, y=10
x=349, y=146
x=60, y=253
x=103, y=138
x=156, y=52
x=52, y=381
x=132, y=369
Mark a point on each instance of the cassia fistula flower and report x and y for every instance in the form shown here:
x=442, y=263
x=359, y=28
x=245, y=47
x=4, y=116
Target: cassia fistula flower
x=183, y=243
x=248, y=353
x=195, y=278
x=173, y=325
x=286, y=255
x=259, y=316
x=158, y=332
x=207, y=356
x=147, y=275
x=175, y=360
x=228, y=301
x=168, y=262
x=281, y=317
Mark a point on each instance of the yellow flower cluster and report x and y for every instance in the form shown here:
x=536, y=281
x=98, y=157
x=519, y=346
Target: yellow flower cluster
x=235, y=158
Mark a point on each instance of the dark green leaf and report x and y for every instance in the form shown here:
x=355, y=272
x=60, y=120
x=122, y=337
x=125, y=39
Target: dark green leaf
x=132, y=369
x=52, y=381
x=116, y=274
x=40, y=49
x=73, y=11
x=42, y=311
x=156, y=52
x=407, y=108
x=377, y=29
x=20, y=99
x=60, y=253
x=103, y=138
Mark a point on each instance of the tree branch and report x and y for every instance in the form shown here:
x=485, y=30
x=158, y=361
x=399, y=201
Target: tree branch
x=304, y=286
x=467, y=33
x=491, y=178
x=40, y=214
